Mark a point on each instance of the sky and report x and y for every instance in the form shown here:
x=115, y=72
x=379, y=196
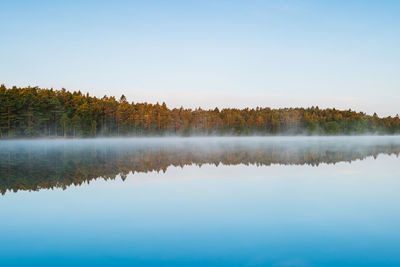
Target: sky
x=342, y=54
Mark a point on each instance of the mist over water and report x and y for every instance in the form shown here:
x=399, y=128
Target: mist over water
x=38, y=164
x=231, y=201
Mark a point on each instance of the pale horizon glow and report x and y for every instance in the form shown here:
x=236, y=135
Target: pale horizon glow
x=341, y=54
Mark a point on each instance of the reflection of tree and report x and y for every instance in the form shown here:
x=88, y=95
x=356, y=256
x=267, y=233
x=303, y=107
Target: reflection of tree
x=36, y=166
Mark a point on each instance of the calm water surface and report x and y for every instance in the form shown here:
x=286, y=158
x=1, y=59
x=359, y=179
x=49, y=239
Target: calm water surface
x=273, y=201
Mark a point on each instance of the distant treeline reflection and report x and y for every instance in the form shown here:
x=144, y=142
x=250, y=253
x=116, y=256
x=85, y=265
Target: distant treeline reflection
x=35, y=165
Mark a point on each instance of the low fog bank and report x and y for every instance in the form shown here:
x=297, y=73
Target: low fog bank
x=55, y=163
x=249, y=141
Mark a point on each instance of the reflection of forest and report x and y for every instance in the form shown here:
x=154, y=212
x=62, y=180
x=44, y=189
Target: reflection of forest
x=38, y=165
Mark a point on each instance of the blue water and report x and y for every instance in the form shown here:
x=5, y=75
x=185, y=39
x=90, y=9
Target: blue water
x=283, y=214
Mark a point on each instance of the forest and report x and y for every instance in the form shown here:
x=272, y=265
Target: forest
x=35, y=112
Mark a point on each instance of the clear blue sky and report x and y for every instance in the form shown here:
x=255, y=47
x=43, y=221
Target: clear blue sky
x=343, y=54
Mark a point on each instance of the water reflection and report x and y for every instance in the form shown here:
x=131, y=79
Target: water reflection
x=39, y=164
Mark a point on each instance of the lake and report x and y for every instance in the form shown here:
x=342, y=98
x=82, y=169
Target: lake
x=232, y=201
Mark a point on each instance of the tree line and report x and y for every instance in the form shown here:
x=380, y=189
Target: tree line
x=35, y=112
